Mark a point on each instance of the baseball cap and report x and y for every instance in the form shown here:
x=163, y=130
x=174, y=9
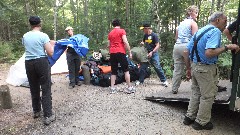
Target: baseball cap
x=34, y=20
x=68, y=28
x=145, y=26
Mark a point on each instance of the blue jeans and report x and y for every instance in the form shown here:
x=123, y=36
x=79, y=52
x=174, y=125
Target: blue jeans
x=155, y=62
x=143, y=71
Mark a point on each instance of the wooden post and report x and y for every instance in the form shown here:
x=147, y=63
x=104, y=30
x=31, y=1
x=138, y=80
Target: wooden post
x=5, y=97
x=86, y=74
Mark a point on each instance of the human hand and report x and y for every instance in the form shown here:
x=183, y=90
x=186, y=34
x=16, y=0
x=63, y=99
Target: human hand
x=188, y=74
x=233, y=47
x=130, y=55
x=150, y=54
x=52, y=42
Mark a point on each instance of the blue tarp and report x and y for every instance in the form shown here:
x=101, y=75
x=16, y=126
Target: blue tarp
x=79, y=43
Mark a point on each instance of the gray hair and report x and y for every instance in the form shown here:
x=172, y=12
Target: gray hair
x=214, y=16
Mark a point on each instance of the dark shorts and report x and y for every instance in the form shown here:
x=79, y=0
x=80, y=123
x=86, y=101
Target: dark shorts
x=120, y=58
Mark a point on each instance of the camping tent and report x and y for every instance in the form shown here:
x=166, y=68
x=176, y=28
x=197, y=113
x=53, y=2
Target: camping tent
x=17, y=73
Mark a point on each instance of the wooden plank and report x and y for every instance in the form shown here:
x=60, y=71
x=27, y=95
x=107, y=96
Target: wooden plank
x=184, y=93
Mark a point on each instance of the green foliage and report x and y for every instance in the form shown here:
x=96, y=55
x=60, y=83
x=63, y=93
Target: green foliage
x=8, y=53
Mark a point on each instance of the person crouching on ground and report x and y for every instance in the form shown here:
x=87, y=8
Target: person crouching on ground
x=73, y=61
x=38, y=70
x=204, y=56
x=117, y=43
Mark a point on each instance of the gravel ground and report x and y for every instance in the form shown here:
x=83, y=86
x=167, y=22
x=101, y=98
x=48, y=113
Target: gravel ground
x=88, y=110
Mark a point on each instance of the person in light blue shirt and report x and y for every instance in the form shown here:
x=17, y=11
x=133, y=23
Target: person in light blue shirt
x=184, y=33
x=210, y=40
x=37, y=48
x=204, y=71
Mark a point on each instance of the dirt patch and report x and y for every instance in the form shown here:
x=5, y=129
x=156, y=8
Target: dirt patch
x=89, y=109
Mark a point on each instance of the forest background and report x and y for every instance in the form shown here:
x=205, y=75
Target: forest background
x=92, y=18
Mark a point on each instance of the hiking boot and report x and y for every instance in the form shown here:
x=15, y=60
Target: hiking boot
x=36, y=115
x=187, y=121
x=197, y=126
x=48, y=120
x=165, y=84
x=130, y=90
x=71, y=87
x=174, y=91
x=113, y=90
x=79, y=84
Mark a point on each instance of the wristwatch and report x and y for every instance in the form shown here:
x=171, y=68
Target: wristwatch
x=226, y=48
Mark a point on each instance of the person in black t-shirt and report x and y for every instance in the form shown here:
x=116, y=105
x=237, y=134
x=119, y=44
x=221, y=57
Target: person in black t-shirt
x=230, y=29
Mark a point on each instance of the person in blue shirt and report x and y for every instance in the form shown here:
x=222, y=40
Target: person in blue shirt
x=184, y=33
x=37, y=48
x=204, y=71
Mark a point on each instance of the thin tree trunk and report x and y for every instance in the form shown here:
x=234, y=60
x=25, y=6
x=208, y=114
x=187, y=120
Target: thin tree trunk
x=212, y=6
x=218, y=4
x=35, y=7
x=127, y=11
x=27, y=11
x=55, y=20
x=86, y=15
x=222, y=5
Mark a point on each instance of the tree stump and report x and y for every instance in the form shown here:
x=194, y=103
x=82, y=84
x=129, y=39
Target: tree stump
x=86, y=74
x=5, y=97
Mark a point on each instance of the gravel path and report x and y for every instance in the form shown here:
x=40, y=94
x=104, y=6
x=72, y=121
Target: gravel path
x=88, y=110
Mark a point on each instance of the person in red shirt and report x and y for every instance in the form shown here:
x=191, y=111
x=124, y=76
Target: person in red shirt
x=118, y=44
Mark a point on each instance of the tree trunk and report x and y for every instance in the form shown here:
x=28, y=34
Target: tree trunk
x=55, y=20
x=212, y=7
x=86, y=15
x=27, y=10
x=222, y=5
x=127, y=11
x=35, y=7
x=218, y=4
x=5, y=97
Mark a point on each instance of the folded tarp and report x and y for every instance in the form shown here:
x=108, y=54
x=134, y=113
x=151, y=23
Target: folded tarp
x=79, y=42
x=139, y=54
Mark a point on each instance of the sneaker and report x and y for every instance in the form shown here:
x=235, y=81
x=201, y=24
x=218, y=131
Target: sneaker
x=79, y=84
x=130, y=90
x=48, y=120
x=113, y=90
x=137, y=83
x=36, y=115
x=187, y=121
x=165, y=84
x=197, y=126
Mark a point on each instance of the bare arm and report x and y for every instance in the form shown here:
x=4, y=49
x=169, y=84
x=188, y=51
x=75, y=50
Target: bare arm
x=127, y=47
x=228, y=34
x=194, y=27
x=215, y=52
x=188, y=64
x=49, y=47
x=156, y=47
x=154, y=50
